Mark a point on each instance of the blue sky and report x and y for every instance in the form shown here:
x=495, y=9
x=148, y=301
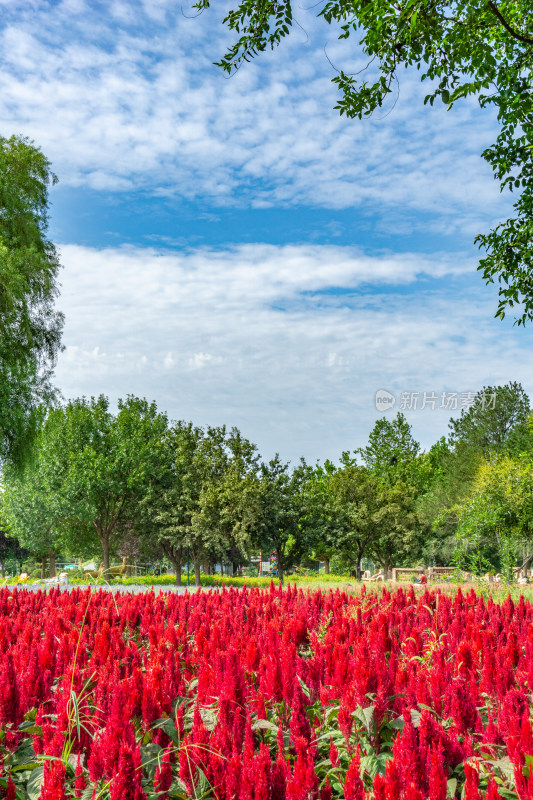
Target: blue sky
x=234, y=249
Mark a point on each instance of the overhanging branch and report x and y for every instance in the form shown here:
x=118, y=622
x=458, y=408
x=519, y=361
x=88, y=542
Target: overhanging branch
x=520, y=36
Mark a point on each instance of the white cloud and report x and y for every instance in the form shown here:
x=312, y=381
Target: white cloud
x=251, y=336
x=130, y=99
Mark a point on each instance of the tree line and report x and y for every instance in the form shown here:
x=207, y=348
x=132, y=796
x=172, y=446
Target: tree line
x=133, y=483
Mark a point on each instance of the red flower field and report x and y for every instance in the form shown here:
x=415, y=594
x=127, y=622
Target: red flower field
x=265, y=695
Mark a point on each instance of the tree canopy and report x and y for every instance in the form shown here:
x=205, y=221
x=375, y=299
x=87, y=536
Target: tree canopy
x=199, y=500
x=464, y=48
x=30, y=327
x=496, y=419
x=498, y=510
x=94, y=464
x=280, y=513
x=391, y=450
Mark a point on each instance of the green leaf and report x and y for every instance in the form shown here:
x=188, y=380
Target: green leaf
x=397, y=724
x=24, y=753
x=168, y=726
x=366, y=716
x=203, y=787
x=88, y=792
x=264, y=724
x=451, y=787
x=151, y=758
x=35, y=783
x=505, y=766
x=375, y=764
x=415, y=717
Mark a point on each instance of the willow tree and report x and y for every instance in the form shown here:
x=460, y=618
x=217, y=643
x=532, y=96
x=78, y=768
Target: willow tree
x=30, y=327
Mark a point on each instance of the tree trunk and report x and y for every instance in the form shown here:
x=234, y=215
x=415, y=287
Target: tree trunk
x=44, y=564
x=52, y=557
x=104, y=540
x=280, y=573
x=326, y=566
x=176, y=563
x=358, y=570
x=386, y=566
x=197, y=581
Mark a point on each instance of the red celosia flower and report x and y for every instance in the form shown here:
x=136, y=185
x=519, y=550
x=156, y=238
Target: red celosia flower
x=333, y=753
x=235, y=658
x=354, y=788
x=126, y=783
x=54, y=781
x=163, y=774
x=79, y=782
x=437, y=776
x=471, y=790
x=325, y=792
x=10, y=789
x=492, y=791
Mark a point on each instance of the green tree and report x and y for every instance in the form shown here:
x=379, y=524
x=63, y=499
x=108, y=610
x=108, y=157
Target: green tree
x=12, y=553
x=201, y=499
x=353, y=500
x=396, y=531
x=450, y=474
x=392, y=457
x=497, y=514
x=97, y=465
x=479, y=49
x=27, y=514
x=320, y=515
x=392, y=451
x=356, y=513
x=280, y=524
x=172, y=495
x=496, y=420
x=30, y=327
x=224, y=516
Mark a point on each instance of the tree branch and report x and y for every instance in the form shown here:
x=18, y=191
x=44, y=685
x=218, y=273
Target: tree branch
x=521, y=38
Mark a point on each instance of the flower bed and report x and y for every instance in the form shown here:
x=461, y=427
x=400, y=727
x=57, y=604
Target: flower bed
x=265, y=695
